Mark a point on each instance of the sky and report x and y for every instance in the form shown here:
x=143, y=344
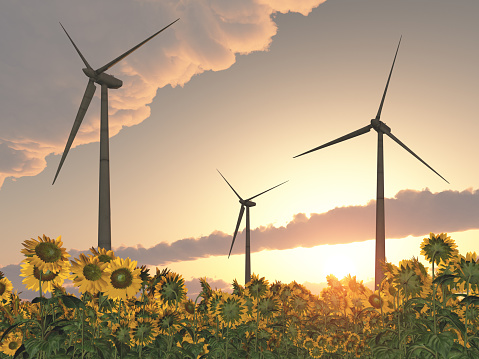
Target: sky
x=242, y=87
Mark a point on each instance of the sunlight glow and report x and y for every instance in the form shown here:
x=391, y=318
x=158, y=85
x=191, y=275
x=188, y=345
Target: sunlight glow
x=339, y=266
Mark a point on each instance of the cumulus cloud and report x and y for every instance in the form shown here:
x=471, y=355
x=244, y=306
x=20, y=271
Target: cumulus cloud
x=43, y=71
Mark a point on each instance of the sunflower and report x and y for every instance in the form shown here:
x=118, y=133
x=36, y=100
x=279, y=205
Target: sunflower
x=375, y=301
x=188, y=309
x=334, y=283
x=168, y=320
x=231, y=310
x=206, y=291
x=121, y=331
x=355, y=286
x=105, y=256
x=48, y=278
x=46, y=254
x=309, y=344
x=171, y=289
x=213, y=303
x=6, y=288
x=256, y=287
x=438, y=247
x=145, y=275
x=467, y=271
x=268, y=306
x=124, y=279
x=11, y=343
x=89, y=274
x=238, y=289
x=299, y=304
x=408, y=278
x=316, y=352
x=143, y=331
x=351, y=344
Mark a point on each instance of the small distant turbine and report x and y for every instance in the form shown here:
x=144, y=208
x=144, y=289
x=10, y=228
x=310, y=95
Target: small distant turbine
x=106, y=81
x=380, y=127
x=245, y=203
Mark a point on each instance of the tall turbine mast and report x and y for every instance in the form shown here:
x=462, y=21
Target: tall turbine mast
x=381, y=128
x=106, y=82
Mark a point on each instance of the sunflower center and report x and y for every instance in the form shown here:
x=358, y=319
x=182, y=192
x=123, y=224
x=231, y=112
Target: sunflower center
x=121, y=278
x=104, y=258
x=2, y=289
x=46, y=276
x=92, y=272
x=48, y=252
x=12, y=345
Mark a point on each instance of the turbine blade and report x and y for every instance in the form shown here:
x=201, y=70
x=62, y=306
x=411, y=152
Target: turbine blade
x=412, y=153
x=237, y=227
x=85, y=102
x=266, y=191
x=340, y=139
x=121, y=57
x=230, y=185
x=76, y=48
x=378, y=116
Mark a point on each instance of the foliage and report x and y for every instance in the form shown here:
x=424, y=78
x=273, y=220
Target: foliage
x=411, y=314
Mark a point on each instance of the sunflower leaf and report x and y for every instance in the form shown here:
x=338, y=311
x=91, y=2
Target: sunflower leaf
x=470, y=299
x=72, y=302
x=42, y=300
x=444, y=278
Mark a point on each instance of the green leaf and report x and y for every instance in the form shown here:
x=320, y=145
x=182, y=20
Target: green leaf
x=440, y=343
x=72, y=302
x=470, y=299
x=444, y=278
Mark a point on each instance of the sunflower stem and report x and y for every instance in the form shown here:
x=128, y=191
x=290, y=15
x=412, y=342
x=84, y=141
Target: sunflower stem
x=434, y=288
x=82, y=329
x=467, y=307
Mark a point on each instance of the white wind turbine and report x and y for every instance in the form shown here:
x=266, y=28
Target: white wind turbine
x=245, y=203
x=106, y=81
x=381, y=129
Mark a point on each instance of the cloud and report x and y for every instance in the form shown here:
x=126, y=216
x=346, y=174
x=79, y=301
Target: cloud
x=43, y=89
x=409, y=213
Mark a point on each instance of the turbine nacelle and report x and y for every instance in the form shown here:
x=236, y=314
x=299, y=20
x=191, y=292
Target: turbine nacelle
x=247, y=203
x=380, y=126
x=103, y=79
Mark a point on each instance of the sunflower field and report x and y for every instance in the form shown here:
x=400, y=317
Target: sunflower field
x=124, y=312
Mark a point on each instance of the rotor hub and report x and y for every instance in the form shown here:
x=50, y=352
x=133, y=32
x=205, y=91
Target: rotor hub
x=247, y=203
x=380, y=126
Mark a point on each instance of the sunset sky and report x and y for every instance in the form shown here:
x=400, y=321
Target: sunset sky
x=241, y=86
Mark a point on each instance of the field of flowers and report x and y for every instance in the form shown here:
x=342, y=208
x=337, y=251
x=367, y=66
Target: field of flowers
x=124, y=312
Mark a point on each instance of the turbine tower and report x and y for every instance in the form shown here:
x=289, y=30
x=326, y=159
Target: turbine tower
x=245, y=203
x=381, y=128
x=106, y=82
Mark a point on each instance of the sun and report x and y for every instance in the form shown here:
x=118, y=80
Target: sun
x=339, y=266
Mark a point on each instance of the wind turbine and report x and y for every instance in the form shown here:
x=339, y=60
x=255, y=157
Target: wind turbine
x=106, y=81
x=381, y=129
x=245, y=203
